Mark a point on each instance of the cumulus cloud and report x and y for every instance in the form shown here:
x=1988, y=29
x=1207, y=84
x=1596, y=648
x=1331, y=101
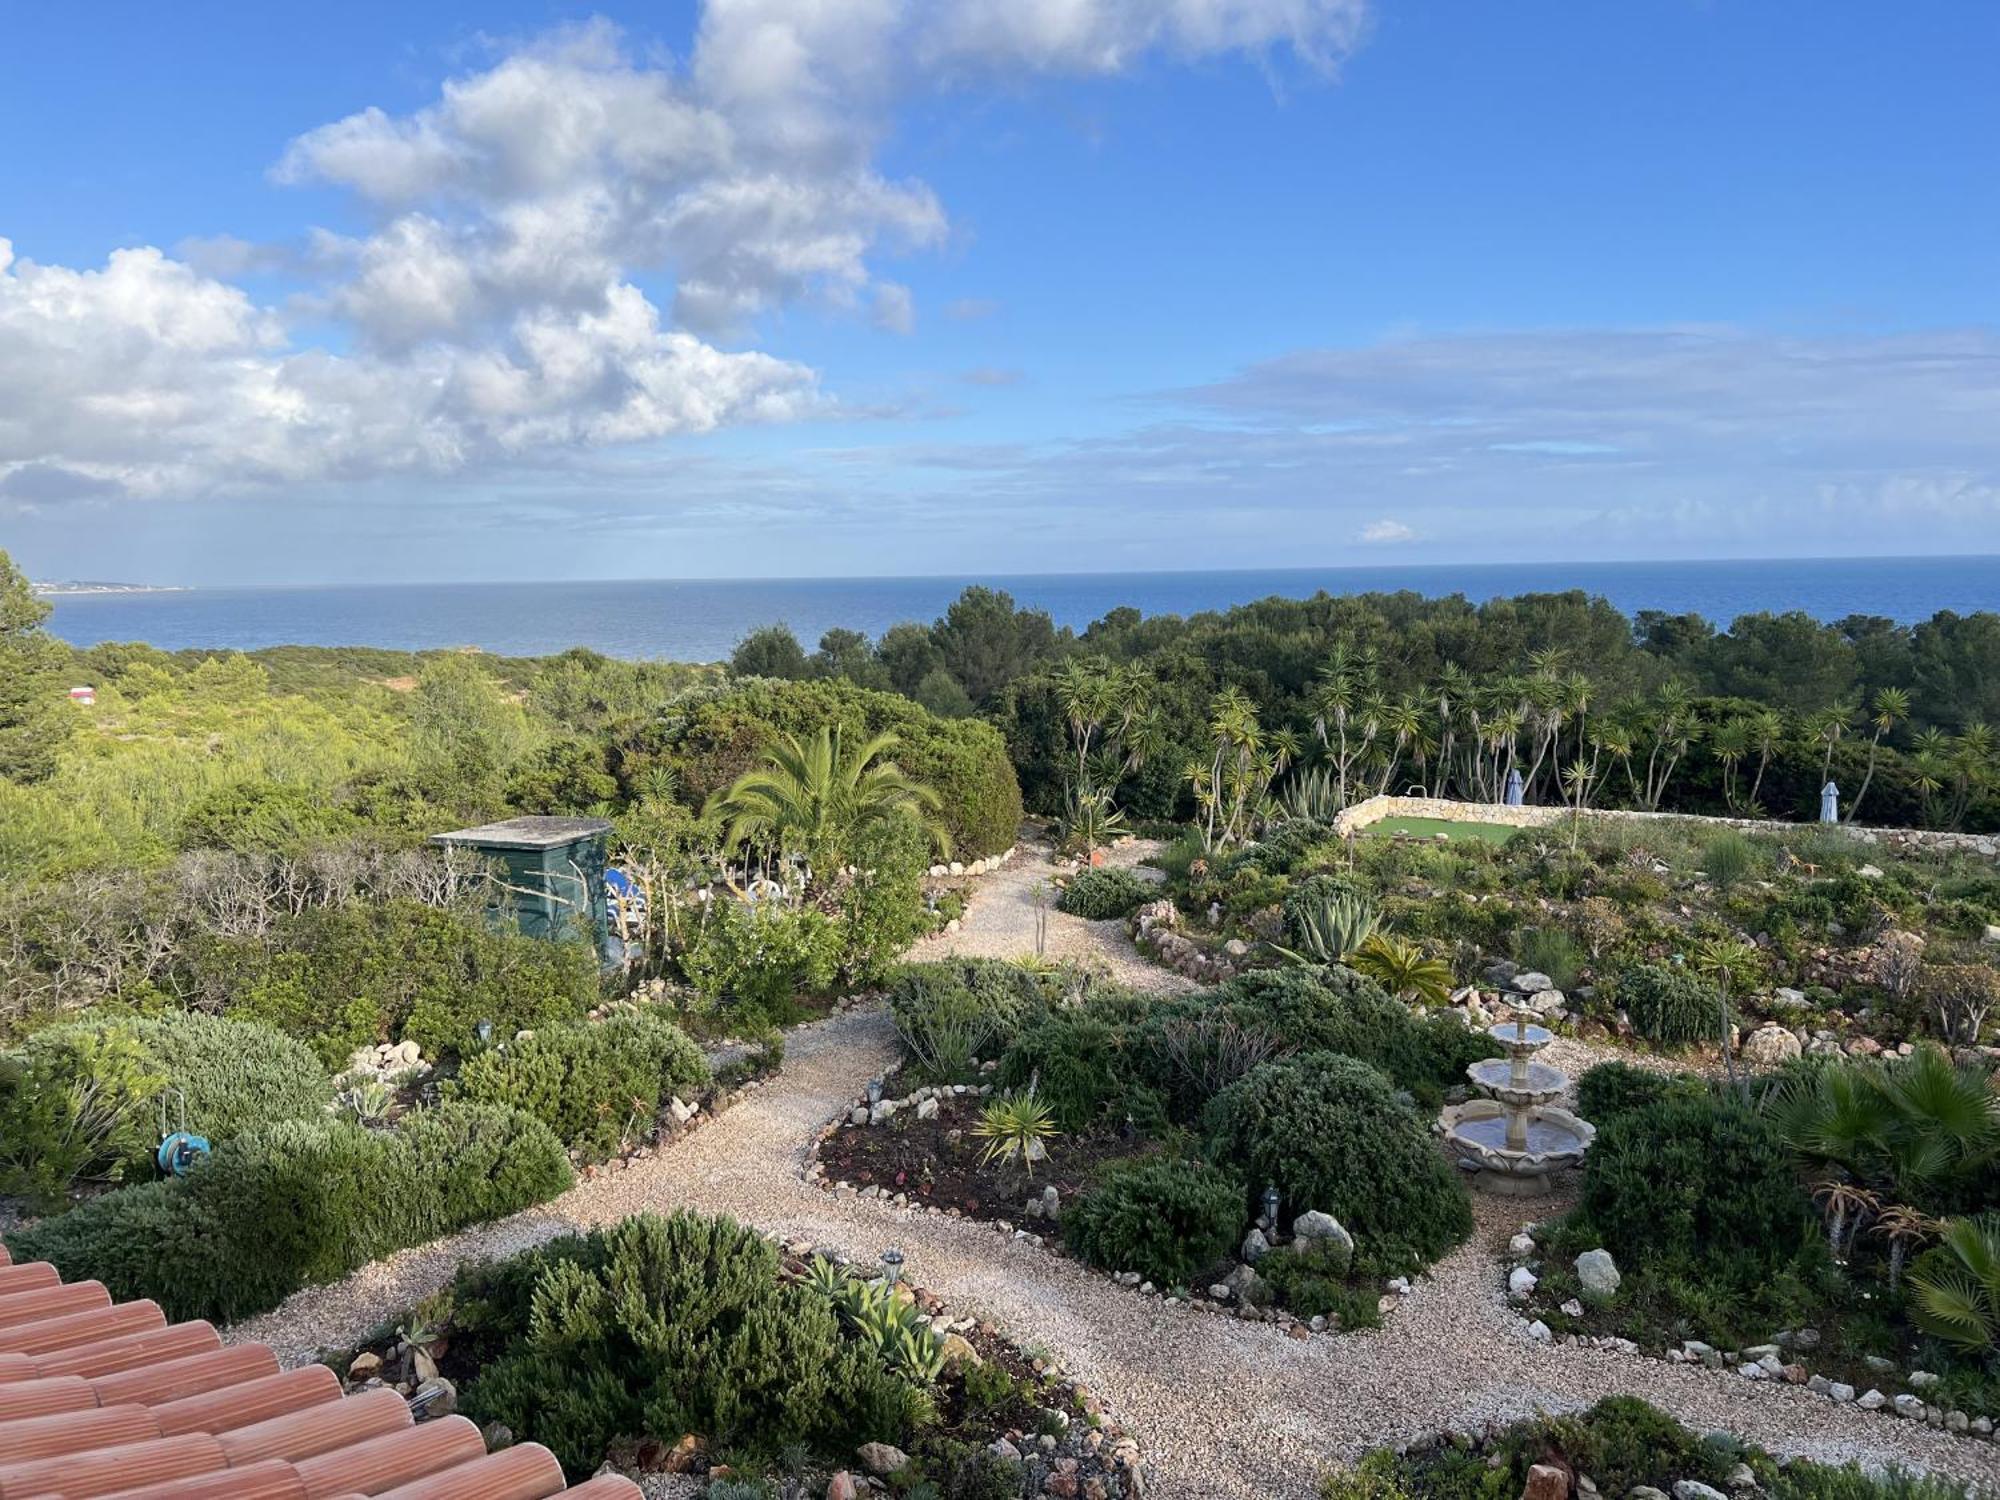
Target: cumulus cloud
x=492, y=305
x=1377, y=533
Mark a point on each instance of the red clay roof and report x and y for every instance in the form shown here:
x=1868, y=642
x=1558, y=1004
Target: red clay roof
x=104, y=1399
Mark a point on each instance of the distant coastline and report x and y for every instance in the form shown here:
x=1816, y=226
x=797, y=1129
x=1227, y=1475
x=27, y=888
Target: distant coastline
x=702, y=620
x=59, y=588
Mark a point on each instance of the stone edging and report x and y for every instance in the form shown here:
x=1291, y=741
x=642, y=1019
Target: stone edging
x=1758, y=1362
x=1373, y=810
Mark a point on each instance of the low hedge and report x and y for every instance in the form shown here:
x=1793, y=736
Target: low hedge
x=1074, y=1063
x=298, y=1203
x=593, y=1085
x=1168, y=1220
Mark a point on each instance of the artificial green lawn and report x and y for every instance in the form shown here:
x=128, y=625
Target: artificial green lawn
x=1492, y=833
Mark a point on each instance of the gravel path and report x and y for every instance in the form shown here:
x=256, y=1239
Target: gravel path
x=1222, y=1408
x=1000, y=923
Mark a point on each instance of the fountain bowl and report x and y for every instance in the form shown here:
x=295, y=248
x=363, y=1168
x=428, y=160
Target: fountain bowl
x=1477, y=1132
x=1495, y=1075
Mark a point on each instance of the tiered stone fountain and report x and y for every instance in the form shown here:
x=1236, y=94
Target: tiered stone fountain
x=1516, y=1136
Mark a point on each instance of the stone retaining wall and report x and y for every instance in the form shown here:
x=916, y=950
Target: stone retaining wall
x=1901, y=840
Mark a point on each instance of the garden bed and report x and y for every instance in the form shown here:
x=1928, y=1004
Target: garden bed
x=936, y=1162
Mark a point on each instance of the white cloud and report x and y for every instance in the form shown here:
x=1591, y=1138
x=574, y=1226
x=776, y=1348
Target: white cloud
x=1386, y=531
x=493, y=305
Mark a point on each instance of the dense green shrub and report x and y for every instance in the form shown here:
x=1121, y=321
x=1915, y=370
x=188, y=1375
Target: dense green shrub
x=365, y=972
x=296, y=1203
x=1321, y=1009
x=593, y=1085
x=1616, y=1088
x=882, y=906
x=1073, y=1060
x=759, y=959
x=73, y=1105
x=710, y=737
x=1695, y=1181
x=1099, y=894
x=1330, y=1132
x=663, y=1326
x=949, y=1012
x=1621, y=1443
x=85, y=1099
x=1168, y=1220
x=1314, y=1282
x=1667, y=1004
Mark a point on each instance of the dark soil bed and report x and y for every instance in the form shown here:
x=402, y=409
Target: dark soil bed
x=937, y=1161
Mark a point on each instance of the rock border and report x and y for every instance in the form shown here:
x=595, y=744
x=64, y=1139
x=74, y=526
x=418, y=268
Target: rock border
x=1758, y=1362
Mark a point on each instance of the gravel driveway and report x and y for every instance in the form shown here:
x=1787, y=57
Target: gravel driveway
x=1222, y=1408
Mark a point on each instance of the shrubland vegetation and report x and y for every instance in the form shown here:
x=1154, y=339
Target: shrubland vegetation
x=1619, y=1444
x=217, y=894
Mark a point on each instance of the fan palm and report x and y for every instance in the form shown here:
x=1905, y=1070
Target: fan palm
x=810, y=797
x=1955, y=1289
x=1403, y=969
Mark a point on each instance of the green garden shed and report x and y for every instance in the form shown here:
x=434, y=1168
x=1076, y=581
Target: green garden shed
x=550, y=872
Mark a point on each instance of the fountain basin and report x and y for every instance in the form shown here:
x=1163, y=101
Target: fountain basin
x=1518, y=1038
x=1538, y=1083
x=1515, y=1146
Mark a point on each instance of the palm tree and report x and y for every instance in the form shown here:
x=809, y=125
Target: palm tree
x=1403, y=969
x=1892, y=707
x=1903, y=1226
x=1826, y=729
x=1767, y=734
x=1730, y=742
x=810, y=799
x=1956, y=1287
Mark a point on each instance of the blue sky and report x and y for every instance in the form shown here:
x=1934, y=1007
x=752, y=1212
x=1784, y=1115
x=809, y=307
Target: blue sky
x=761, y=287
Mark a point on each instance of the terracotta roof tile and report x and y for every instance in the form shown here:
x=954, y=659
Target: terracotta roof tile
x=106, y=1401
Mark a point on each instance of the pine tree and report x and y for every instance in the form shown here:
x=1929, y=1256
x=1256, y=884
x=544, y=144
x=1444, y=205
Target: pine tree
x=35, y=716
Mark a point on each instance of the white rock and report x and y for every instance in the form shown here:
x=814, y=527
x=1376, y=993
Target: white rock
x=1694, y=1489
x=1839, y=1390
x=1521, y=1283
x=1521, y=1244
x=1539, y=1332
x=1873, y=1400
x=1598, y=1273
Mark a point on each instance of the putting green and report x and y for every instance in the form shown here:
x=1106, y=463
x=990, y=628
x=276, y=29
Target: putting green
x=1491, y=833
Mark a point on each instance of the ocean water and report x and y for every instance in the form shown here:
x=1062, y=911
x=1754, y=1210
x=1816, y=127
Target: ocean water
x=690, y=620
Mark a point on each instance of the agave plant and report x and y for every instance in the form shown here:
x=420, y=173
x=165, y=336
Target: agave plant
x=1332, y=929
x=1955, y=1288
x=1312, y=793
x=367, y=1101
x=889, y=1324
x=1016, y=1125
x=1403, y=969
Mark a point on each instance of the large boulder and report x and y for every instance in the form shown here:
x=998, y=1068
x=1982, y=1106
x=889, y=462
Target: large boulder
x=1771, y=1045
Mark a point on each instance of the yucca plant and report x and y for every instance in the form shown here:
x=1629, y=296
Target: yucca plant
x=1403, y=969
x=1955, y=1288
x=1330, y=930
x=1016, y=1125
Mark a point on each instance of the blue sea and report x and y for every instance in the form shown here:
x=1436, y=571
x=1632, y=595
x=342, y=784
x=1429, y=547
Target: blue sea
x=688, y=620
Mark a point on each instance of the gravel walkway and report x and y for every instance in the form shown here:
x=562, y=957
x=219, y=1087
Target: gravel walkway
x=1000, y=923
x=1222, y=1408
